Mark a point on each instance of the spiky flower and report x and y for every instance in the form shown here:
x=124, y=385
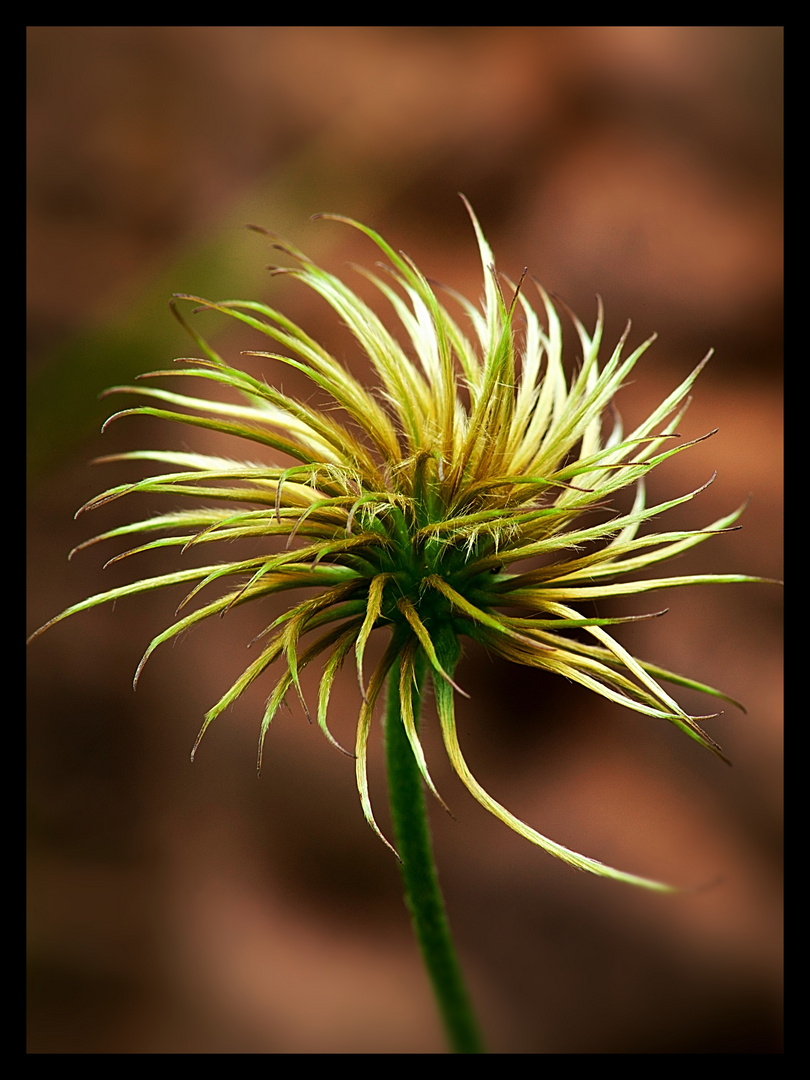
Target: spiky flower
x=475, y=453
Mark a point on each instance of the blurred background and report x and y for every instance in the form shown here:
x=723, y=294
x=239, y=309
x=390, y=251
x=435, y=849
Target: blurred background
x=180, y=909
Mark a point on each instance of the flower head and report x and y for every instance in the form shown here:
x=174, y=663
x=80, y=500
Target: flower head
x=468, y=494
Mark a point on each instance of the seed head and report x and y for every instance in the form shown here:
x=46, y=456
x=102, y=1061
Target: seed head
x=469, y=494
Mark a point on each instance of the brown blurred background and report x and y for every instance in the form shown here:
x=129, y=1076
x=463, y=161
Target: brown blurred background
x=180, y=909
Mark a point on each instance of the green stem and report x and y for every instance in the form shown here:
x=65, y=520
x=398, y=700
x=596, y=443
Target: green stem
x=422, y=893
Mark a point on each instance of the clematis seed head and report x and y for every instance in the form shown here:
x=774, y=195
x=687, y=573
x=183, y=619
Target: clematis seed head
x=470, y=494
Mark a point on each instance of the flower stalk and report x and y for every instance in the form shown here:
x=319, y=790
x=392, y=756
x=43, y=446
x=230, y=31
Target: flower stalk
x=423, y=895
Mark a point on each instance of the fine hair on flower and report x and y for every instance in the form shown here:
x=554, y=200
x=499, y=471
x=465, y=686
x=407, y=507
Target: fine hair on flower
x=468, y=496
